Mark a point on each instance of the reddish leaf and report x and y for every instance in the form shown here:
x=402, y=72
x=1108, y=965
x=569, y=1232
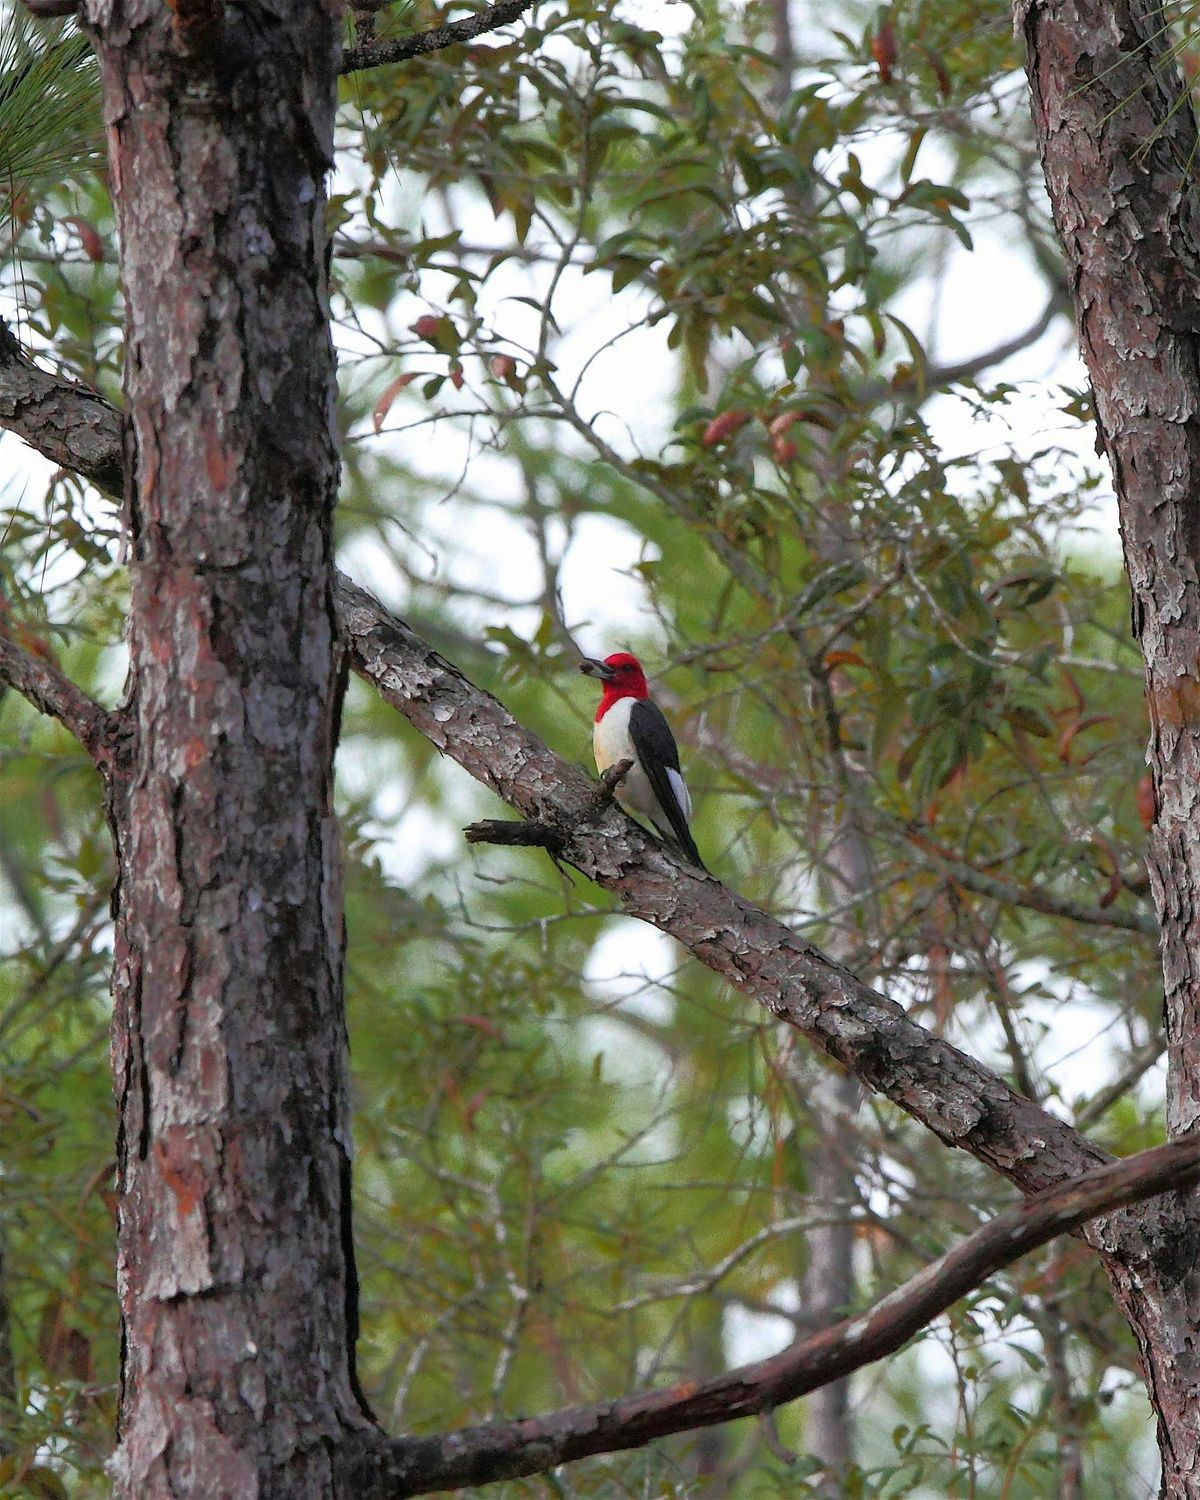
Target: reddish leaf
x=89, y=238
x=883, y=47
x=1068, y=735
x=1112, y=890
x=940, y=71
x=384, y=404
x=723, y=426
x=427, y=326
x=777, y=426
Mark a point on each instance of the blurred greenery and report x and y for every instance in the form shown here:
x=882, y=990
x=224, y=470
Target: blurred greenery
x=639, y=335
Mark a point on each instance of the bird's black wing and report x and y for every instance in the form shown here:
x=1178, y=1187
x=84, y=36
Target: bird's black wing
x=657, y=753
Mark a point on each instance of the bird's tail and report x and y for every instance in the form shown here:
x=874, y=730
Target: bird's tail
x=684, y=844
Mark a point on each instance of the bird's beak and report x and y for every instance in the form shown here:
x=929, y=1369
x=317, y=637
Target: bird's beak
x=593, y=668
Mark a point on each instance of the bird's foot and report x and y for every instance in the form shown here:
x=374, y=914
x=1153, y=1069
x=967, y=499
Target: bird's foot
x=610, y=780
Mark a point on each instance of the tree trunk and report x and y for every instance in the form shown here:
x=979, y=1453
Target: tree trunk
x=235, y=1268
x=827, y=1285
x=1119, y=147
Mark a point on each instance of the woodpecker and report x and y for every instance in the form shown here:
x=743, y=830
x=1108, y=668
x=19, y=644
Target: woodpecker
x=629, y=726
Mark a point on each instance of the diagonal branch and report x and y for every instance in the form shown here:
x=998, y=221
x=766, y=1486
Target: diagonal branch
x=376, y=54
x=533, y=1445
x=963, y=1102
x=44, y=684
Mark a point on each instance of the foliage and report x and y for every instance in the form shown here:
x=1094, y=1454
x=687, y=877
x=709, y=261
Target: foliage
x=49, y=114
x=628, y=321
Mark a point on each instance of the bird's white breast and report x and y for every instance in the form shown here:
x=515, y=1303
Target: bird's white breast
x=611, y=742
x=611, y=739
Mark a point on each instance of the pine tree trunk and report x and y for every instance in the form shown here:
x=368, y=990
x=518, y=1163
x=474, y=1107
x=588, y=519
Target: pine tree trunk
x=1119, y=147
x=236, y=1271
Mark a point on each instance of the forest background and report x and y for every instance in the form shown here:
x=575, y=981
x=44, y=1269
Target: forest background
x=737, y=336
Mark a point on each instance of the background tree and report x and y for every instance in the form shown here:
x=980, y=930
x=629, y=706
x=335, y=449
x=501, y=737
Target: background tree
x=654, y=293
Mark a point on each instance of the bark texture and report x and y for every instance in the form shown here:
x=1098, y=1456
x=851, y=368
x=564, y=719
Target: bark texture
x=65, y=421
x=1119, y=147
x=235, y=1267
x=237, y=1275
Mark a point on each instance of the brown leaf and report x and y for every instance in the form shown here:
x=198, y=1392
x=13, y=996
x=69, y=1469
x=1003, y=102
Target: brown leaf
x=1067, y=737
x=89, y=238
x=940, y=71
x=1028, y=720
x=883, y=47
x=843, y=659
x=381, y=408
x=723, y=426
x=1112, y=890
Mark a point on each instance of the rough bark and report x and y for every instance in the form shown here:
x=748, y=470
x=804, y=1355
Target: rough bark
x=1119, y=147
x=66, y=422
x=235, y=1267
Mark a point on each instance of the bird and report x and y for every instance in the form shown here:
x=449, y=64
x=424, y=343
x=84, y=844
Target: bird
x=630, y=726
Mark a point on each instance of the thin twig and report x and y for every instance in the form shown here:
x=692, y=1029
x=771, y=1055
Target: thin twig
x=533, y=1445
x=515, y=833
x=1011, y=893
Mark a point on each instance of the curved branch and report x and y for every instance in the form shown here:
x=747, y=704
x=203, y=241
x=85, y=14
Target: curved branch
x=376, y=54
x=963, y=1102
x=532, y=1445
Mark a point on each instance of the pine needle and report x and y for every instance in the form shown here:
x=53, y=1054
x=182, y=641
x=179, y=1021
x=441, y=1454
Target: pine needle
x=49, y=107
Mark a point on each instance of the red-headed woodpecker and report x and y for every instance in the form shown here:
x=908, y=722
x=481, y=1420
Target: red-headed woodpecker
x=629, y=726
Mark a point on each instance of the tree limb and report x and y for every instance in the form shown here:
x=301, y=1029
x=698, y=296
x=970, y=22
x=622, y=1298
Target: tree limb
x=531, y=1445
x=376, y=54
x=67, y=423
x=964, y=1103
x=39, y=680
x=519, y=835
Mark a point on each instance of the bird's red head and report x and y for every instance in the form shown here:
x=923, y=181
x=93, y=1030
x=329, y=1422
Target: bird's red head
x=622, y=676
